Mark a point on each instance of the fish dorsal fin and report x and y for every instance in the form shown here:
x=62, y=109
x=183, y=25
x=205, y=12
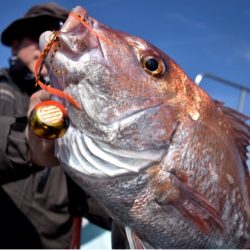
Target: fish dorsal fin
x=134, y=241
x=241, y=135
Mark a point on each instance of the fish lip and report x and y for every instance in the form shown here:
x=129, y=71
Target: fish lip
x=44, y=38
x=72, y=24
x=74, y=36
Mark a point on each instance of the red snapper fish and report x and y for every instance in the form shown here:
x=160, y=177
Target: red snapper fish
x=166, y=161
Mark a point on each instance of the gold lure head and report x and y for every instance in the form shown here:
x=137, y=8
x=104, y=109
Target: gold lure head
x=49, y=120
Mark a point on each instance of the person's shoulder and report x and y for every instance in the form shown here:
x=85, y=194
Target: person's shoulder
x=4, y=71
x=6, y=80
x=7, y=87
x=4, y=75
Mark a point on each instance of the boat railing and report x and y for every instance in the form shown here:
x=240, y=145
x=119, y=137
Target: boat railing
x=243, y=89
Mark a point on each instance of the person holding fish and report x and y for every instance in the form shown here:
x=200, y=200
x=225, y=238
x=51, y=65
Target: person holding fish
x=165, y=160
x=37, y=203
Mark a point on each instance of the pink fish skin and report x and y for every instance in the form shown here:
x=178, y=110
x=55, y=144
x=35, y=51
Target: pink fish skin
x=164, y=159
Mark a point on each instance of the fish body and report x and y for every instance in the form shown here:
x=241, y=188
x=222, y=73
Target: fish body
x=164, y=159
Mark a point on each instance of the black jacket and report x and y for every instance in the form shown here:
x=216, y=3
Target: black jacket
x=35, y=206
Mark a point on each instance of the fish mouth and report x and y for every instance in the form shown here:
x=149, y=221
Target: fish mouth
x=61, y=61
x=75, y=41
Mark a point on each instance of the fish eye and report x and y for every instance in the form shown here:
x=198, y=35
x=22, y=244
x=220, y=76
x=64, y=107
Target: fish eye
x=152, y=64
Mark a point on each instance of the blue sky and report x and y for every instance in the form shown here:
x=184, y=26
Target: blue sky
x=200, y=35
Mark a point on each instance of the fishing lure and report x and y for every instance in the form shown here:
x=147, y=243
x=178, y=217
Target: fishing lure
x=49, y=119
x=38, y=67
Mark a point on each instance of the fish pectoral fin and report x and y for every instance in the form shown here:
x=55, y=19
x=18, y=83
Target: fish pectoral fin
x=190, y=203
x=134, y=241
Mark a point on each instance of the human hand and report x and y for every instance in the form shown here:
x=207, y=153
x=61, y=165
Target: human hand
x=42, y=151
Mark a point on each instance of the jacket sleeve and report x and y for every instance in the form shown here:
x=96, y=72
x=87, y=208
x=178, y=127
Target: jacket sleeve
x=14, y=155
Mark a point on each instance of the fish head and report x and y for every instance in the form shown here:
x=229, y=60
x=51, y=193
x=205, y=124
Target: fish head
x=131, y=94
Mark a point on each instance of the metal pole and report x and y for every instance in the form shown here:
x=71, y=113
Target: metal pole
x=243, y=94
x=243, y=89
